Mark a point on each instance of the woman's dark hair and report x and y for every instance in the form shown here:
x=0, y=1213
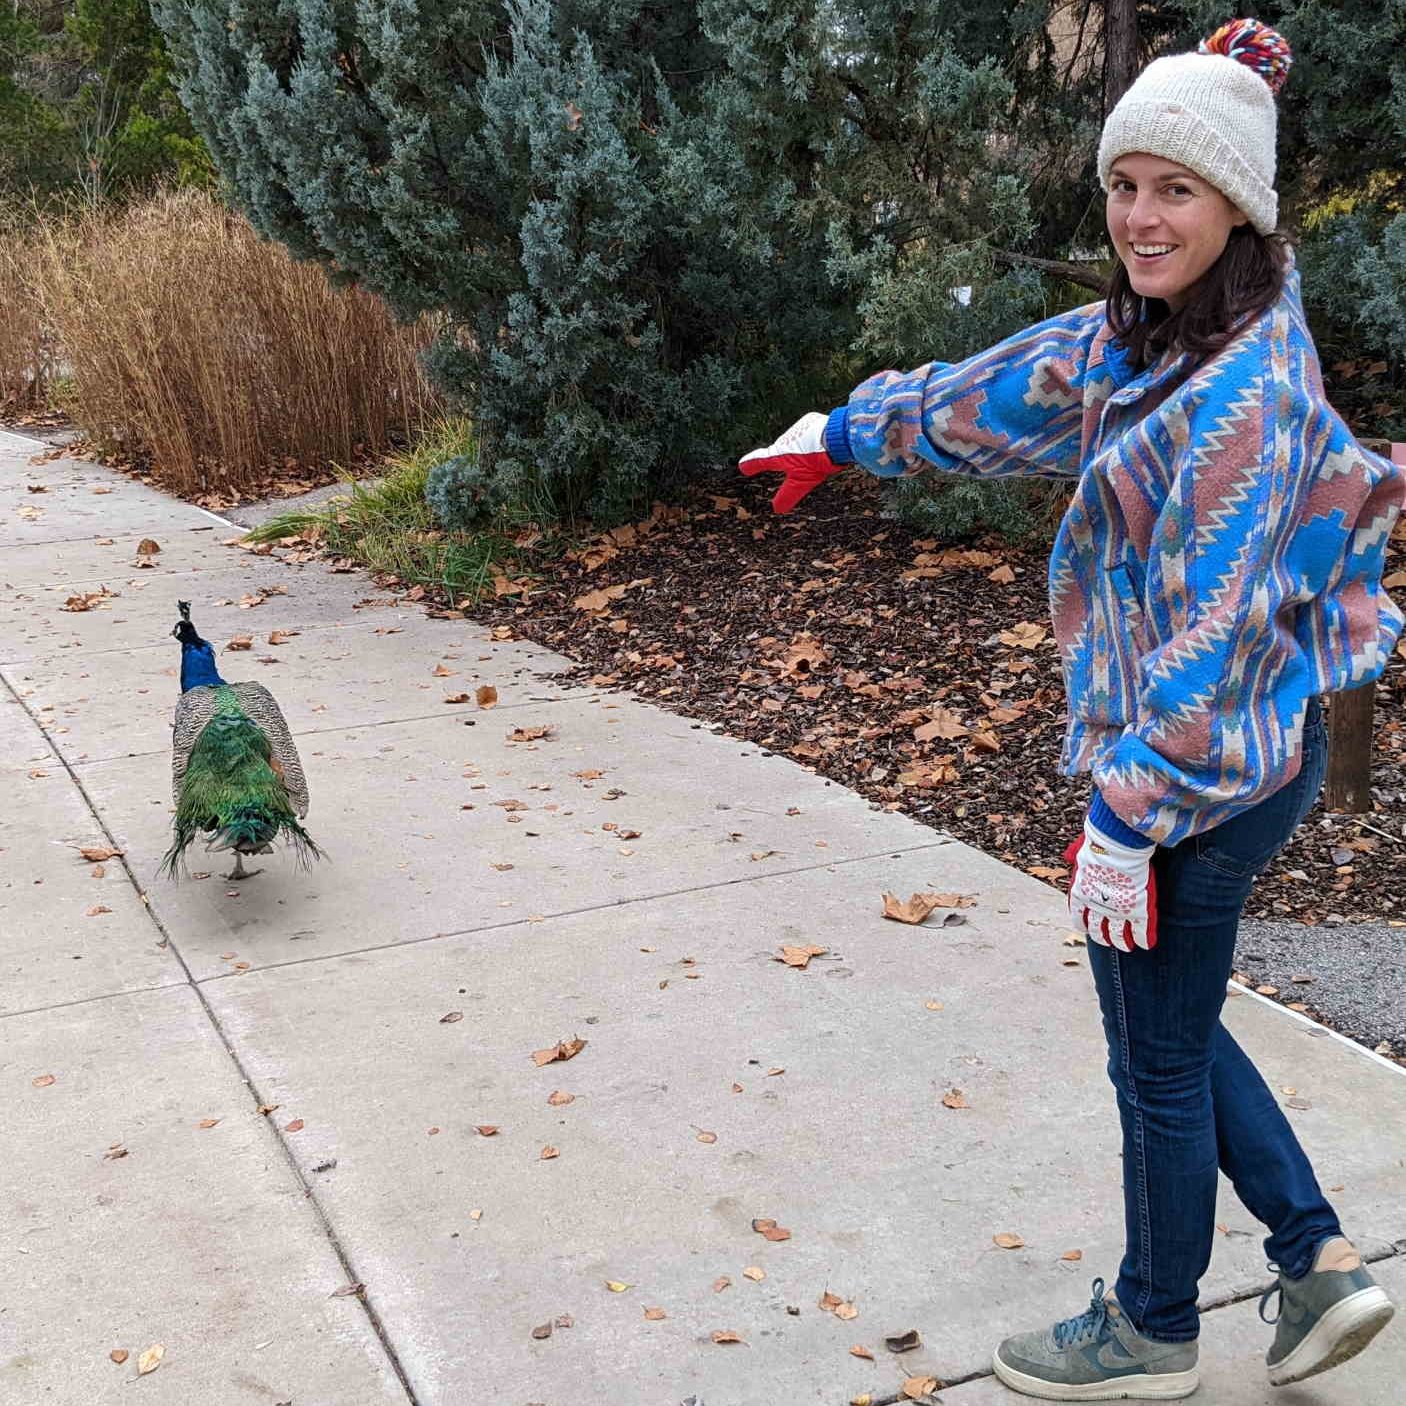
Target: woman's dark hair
x=1246, y=279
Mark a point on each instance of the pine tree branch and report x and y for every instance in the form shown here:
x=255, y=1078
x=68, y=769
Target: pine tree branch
x=1085, y=275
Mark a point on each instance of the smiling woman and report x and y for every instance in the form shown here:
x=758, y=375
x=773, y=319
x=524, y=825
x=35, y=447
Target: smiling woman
x=1218, y=568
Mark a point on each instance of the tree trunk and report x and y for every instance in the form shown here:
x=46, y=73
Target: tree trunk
x=1348, y=788
x=1120, y=50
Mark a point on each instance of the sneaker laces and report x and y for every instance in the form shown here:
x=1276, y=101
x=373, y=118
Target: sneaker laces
x=1088, y=1324
x=1276, y=1288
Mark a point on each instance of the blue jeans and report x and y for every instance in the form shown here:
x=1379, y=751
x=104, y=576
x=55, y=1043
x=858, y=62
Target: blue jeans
x=1189, y=1099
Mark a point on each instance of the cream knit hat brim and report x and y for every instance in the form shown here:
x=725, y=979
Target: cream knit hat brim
x=1212, y=114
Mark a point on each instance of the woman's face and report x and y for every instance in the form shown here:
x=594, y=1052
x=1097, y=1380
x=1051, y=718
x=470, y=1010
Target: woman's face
x=1167, y=224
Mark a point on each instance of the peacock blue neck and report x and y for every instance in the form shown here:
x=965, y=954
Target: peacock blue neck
x=198, y=666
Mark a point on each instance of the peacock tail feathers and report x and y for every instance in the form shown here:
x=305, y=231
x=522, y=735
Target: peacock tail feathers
x=236, y=776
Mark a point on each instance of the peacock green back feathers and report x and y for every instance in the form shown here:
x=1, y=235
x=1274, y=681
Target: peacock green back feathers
x=236, y=776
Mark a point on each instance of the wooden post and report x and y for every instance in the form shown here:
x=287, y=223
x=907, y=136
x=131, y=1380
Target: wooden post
x=1348, y=787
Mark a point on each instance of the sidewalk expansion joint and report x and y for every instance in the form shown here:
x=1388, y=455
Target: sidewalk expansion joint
x=503, y=708
x=574, y=912
x=309, y=1192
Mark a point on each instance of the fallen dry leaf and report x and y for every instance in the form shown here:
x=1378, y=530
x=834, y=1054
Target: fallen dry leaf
x=208, y=1123
x=1073, y=1256
x=914, y=910
x=655, y=1314
x=451, y=1017
x=530, y=734
x=97, y=854
x=456, y=697
x=348, y=1291
x=548, y=1153
x=615, y=1286
x=241, y=642
x=706, y=1137
x=915, y=1388
x=486, y=1129
x=486, y=695
x=559, y=1100
x=542, y=1330
x=296, y=1126
x=281, y=636
x=954, y=1099
x=150, y=1360
x=598, y=600
x=1008, y=1241
x=770, y=1229
x=119, y=1355
x=563, y=1049
x=42, y=1081
x=147, y=547
x=755, y=1273
x=726, y=1337
x=799, y=957
x=98, y=909
x=903, y=1342
x=859, y=1350
x=720, y=1283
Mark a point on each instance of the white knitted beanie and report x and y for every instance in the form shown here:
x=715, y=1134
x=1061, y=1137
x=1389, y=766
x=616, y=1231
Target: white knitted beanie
x=1212, y=111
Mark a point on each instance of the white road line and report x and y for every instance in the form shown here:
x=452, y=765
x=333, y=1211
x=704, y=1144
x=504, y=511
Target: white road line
x=1317, y=1025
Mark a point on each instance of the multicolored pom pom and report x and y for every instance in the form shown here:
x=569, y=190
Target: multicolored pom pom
x=1255, y=45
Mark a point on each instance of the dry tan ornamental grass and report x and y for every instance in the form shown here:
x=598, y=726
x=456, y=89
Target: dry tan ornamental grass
x=195, y=343
x=25, y=347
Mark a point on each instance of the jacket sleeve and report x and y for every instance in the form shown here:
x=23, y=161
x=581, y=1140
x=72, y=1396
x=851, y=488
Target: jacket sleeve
x=1264, y=581
x=1015, y=409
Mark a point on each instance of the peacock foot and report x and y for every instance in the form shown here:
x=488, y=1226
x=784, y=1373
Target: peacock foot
x=239, y=871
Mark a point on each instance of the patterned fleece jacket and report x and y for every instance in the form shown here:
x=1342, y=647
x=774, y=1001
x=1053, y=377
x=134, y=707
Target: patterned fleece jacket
x=1220, y=562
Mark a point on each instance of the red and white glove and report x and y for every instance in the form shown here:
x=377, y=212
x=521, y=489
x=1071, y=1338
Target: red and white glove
x=800, y=455
x=1112, y=891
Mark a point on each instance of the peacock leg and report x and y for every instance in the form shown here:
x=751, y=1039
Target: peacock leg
x=239, y=871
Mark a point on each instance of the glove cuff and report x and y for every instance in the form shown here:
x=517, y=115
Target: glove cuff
x=836, y=437
x=1110, y=826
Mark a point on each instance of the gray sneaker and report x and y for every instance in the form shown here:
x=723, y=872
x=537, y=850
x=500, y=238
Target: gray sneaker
x=1326, y=1317
x=1098, y=1356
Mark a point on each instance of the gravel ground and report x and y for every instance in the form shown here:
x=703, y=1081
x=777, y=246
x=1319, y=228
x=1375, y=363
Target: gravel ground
x=1358, y=971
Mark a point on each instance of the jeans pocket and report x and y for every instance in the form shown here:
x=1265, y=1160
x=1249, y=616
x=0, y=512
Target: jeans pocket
x=1244, y=845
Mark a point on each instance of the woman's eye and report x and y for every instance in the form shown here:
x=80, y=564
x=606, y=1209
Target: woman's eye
x=1180, y=190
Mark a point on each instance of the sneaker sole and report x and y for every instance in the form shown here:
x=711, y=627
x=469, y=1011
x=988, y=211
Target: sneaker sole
x=1339, y=1335
x=1163, y=1386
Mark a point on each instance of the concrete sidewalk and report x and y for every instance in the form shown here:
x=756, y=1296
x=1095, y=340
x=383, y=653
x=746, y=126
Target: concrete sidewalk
x=352, y=1027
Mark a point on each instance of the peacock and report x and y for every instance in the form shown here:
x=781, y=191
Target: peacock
x=234, y=769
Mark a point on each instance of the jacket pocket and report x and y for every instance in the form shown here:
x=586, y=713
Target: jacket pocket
x=1129, y=597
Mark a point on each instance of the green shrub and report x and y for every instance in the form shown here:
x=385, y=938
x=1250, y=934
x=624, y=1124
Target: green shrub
x=458, y=492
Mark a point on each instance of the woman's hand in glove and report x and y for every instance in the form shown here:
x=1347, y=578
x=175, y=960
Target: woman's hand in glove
x=800, y=455
x=1112, y=892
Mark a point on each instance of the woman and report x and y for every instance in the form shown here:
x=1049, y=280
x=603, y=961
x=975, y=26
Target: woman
x=1218, y=568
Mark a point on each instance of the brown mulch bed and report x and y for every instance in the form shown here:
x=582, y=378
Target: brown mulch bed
x=924, y=678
